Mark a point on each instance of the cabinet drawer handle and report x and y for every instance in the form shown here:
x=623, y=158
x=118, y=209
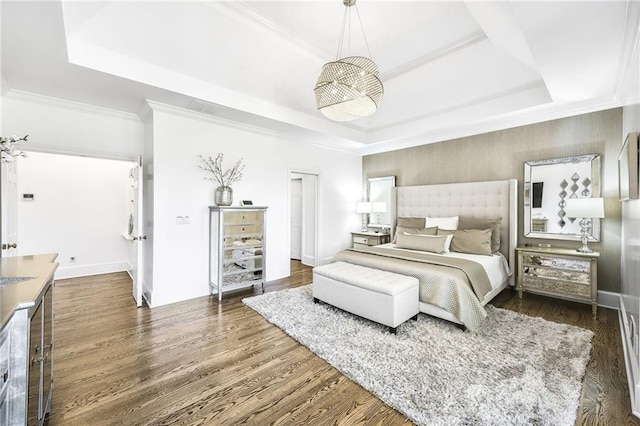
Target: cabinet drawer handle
x=5, y=377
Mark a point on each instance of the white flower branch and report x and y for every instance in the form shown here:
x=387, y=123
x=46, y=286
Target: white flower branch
x=7, y=147
x=214, y=167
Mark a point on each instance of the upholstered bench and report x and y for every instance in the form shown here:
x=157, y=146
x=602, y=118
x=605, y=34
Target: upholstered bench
x=384, y=297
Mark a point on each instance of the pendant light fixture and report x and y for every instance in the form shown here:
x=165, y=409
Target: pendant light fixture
x=349, y=87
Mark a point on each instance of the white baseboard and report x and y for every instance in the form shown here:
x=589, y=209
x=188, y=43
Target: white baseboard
x=73, y=271
x=630, y=360
x=609, y=299
x=308, y=260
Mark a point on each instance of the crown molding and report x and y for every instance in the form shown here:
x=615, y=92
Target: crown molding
x=503, y=122
x=462, y=43
x=203, y=116
x=630, y=48
x=64, y=103
x=243, y=12
x=470, y=103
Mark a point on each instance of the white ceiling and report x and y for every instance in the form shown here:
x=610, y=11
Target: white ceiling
x=450, y=68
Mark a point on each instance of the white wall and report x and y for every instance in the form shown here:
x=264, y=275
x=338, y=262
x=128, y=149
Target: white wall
x=58, y=126
x=180, y=252
x=171, y=140
x=80, y=209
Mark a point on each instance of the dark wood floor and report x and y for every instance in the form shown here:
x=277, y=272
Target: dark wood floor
x=204, y=363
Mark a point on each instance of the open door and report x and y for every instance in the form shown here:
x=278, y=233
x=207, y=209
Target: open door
x=296, y=217
x=136, y=230
x=309, y=219
x=9, y=191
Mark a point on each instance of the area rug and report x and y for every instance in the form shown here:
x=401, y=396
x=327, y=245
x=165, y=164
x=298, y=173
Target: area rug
x=514, y=370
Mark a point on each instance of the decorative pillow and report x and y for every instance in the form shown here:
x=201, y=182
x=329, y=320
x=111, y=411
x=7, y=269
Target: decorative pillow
x=468, y=222
x=430, y=243
x=474, y=241
x=411, y=222
x=410, y=230
x=450, y=223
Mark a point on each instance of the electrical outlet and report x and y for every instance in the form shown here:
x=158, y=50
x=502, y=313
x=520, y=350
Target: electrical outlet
x=183, y=220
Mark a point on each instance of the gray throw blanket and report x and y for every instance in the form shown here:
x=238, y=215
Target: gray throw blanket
x=456, y=285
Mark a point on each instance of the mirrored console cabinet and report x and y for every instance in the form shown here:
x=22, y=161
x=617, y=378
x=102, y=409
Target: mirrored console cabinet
x=237, y=243
x=557, y=272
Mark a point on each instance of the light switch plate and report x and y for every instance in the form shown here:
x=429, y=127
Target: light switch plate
x=183, y=220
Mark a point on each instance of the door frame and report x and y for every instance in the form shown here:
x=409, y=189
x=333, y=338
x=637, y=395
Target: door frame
x=123, y=158
x=8, y=169
x=318, y=204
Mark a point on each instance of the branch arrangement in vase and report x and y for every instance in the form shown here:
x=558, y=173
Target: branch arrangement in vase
x=214, y=168
x=7, y=147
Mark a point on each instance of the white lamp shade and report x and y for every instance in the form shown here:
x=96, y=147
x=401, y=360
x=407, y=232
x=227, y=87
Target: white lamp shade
x=584, y=207
x=363, y=207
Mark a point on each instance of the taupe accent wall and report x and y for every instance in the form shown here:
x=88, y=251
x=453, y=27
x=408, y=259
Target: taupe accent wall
x=501, y=155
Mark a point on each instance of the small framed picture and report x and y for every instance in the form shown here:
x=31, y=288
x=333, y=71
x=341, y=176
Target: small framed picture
x=246, y=203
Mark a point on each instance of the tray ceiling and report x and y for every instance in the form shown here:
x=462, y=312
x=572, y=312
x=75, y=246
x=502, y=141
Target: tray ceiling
x=449, y=68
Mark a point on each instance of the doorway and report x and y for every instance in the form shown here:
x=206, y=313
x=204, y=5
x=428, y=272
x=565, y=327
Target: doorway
x=75, y=206
x=303, y=214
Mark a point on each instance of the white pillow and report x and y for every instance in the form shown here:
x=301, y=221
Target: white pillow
x=448, y=223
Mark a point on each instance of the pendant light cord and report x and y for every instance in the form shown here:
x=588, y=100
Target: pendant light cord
x=346, y=19
x=363, y=33
x=341, y=42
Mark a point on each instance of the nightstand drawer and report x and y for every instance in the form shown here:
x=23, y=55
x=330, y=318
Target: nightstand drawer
x=363, y=239
x=556, y=287
x=551, y=274
x=560, y=263
x=360, y=240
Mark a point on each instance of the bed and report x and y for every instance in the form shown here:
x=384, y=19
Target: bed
x=454, y=286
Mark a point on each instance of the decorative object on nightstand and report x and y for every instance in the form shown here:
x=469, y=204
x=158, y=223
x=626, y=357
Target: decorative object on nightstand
x=587, y=209
x=224, y=192
x=557, y=272
x=366, y=239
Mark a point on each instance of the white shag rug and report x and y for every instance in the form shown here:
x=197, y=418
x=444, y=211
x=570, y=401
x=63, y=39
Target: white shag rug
x=514, y=370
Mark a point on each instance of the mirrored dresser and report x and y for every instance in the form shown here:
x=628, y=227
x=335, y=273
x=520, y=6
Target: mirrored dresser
x=237, y=242
x=557, y=272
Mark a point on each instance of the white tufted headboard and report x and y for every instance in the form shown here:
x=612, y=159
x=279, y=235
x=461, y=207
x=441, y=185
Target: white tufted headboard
x=497, y=198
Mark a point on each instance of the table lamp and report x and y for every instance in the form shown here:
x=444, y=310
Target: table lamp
x=364, y=207
x=587, y=209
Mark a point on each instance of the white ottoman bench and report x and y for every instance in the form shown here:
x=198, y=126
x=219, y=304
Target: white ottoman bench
x=384, y=297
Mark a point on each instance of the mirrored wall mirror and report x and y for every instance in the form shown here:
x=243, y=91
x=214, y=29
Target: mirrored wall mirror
x=548, y=185
x=379, y=189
